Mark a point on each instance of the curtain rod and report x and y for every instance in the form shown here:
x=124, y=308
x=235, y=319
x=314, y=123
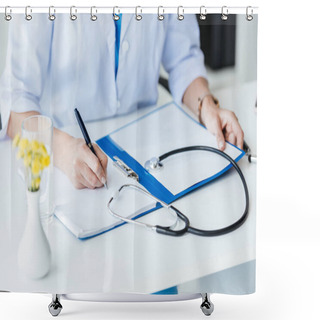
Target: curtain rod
x=133, y=10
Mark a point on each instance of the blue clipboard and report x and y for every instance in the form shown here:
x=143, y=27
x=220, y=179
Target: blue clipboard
x=147, y=180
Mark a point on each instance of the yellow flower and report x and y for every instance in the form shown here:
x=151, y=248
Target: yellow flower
x=35, y=167
x=35, y=145
x=27, y=159
x=37, y=182
x=16, y=140
x=23, y=144
x=20, y=154
x=45, y=161
x=36, y=156
x=43, y=149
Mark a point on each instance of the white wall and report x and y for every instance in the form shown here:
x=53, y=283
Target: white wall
x=3, y=49
x=3, y=42
x=246, y=49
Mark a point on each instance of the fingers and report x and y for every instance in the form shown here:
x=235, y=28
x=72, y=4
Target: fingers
x=220, y=139
x=83, y=183
x=89, y=178
x=233, y=131
x=237, y=133
x=94, y=164
x=216, y=129
x=102, y=157
x=88, y=170
x=82, y=166
x=83, y=176
x=240, y=137
x=231, y=138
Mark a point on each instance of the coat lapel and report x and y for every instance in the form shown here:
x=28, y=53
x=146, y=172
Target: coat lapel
x=125, y=22
x=110, y=30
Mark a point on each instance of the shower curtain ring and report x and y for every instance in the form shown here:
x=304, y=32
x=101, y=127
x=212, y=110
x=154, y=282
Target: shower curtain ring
x=28, y=10
x=249, y=15
x=116, y=15
x=160, y=16
x=52, y=13
x=224, y=13
x=7, y=16
x=93, y=16
x=138, y=16
x=180, y=13
x=203, y=13
x=73, y=12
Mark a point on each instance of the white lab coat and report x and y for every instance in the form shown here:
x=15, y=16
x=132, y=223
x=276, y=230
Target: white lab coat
x=53, y=67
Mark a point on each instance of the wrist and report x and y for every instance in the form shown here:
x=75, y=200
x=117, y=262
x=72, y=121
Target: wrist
x=208, y=104
x=62, y=144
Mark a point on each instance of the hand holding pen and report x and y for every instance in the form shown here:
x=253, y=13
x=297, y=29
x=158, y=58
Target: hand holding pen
x=91, y=168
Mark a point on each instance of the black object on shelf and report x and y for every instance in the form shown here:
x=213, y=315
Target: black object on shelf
x=218, y=40
x=164, y=83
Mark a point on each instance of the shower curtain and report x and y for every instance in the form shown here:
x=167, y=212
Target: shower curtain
x=143, y=87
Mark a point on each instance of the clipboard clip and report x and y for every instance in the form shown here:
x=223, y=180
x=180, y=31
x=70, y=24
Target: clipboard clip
x=126, y=170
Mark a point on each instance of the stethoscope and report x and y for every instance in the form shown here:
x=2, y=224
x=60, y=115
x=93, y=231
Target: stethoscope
x=155, y=164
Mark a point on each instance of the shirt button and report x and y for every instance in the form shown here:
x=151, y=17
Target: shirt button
x=125, y=46
x=118, y=104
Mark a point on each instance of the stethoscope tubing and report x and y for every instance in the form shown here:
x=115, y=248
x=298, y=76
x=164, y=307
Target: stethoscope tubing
x=159, y=229
x=239, y=222
x=187, y=227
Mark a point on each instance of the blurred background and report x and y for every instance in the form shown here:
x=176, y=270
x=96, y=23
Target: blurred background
x=3, y=46
x=230, y=50
x=3, y=42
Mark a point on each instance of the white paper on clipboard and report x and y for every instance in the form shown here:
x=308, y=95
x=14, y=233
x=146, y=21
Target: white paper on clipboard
x=166, y=129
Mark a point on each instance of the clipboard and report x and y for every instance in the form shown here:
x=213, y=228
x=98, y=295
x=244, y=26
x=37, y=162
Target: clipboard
x=166, y=128
x=162, y=130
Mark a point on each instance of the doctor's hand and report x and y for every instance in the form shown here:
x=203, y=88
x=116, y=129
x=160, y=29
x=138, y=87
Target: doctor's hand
x=222, y=123
x=82, y=167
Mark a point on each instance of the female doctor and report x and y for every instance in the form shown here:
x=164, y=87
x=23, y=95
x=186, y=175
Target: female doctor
x=105, y=68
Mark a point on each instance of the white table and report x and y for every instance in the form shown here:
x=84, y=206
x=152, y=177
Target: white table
x=132, y=259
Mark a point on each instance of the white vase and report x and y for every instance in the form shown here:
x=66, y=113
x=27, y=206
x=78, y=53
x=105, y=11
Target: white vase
x=34, y=254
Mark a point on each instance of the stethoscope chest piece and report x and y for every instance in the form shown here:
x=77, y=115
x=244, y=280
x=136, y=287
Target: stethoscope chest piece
x=153, y=164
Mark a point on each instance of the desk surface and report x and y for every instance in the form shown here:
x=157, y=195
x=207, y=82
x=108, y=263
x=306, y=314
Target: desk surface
x=132, y=259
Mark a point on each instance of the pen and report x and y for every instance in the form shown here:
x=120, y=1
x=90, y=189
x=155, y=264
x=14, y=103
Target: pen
x=86, y=135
